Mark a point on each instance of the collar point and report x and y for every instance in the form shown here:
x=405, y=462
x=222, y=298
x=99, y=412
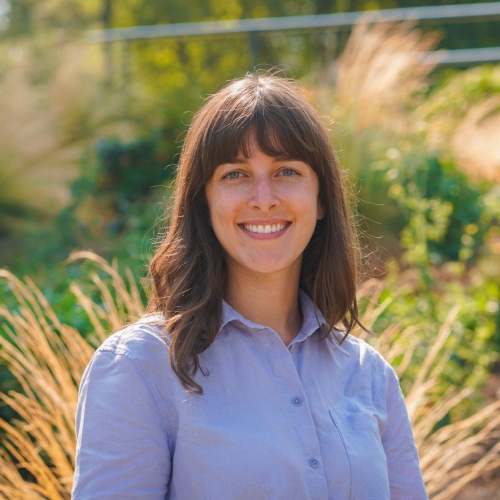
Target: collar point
x=336, y=337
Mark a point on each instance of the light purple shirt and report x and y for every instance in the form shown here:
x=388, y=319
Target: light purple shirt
x=311, y=420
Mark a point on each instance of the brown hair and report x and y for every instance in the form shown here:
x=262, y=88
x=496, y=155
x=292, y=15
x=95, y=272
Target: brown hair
x=188, y=271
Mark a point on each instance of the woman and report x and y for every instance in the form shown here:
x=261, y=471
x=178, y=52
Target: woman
x=240, y=383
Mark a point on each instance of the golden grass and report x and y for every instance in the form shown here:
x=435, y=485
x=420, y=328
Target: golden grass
x=48, y=358
x=380, y=72
x=380, y=84
x=476, y=141
x=37, y=162
x=51, y=109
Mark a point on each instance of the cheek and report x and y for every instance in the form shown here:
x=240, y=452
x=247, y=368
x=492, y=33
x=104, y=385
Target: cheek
x=222, y=216
x=307, y=204
x=216, y=202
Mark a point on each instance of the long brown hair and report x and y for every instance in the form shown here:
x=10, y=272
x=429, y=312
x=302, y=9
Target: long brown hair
x=188, y=271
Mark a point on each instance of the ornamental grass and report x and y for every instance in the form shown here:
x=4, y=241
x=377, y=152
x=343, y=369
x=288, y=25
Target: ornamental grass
x=453, y=455
x=48, y=357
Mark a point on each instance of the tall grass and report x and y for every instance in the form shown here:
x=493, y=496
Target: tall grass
x=35, y=163
x=463, y=116
x=48, y=357
x=476, y=141
x=51, y=110
x=42, y=124
x=388, y=112
x=378, y=82
x=378, y=75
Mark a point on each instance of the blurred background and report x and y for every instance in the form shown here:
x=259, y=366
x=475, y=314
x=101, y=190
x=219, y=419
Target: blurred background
x=93, y=111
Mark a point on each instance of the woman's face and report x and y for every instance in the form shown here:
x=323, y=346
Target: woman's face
x=263, y=211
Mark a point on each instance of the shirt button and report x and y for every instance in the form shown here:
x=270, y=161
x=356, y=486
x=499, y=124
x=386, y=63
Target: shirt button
x=313, y=462
x=296, y=401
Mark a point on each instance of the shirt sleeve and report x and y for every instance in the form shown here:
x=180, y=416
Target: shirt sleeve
x=122, y=440
x=405, y=476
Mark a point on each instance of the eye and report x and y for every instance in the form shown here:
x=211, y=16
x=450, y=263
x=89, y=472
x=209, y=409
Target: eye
x=233, y=175
x=288, y=172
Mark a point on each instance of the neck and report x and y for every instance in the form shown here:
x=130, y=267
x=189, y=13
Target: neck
x=269, y=300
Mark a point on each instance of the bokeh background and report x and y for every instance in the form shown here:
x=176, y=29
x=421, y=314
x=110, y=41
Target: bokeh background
x=90, y=134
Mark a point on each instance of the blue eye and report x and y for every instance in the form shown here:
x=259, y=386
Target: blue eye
x=233, y=175
x=288, y=172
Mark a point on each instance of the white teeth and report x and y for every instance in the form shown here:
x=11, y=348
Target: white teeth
x=264, y=229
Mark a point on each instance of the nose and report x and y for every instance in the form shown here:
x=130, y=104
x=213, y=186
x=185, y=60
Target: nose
x=263, y=195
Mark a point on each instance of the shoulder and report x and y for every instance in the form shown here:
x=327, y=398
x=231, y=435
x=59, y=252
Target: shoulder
x=139, y=353
x=362, y=359
x=363, y=353
x=144, y=338
x=143, y=344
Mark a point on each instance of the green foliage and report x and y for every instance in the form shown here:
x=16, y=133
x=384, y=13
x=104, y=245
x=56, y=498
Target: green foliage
x=421, y=298
x=114, y=198
x=454, y=94
x=128, y=171
x=445, y=223
x=466, y=88
x=117, y=201
x=444, y=212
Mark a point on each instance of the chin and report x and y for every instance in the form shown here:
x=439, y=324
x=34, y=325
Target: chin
x=267, y=266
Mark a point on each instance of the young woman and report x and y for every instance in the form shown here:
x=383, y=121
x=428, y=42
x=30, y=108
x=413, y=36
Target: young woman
x=243, y=382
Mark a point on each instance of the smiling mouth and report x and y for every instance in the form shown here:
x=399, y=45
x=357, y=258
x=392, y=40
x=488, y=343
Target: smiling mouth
x=265, y=229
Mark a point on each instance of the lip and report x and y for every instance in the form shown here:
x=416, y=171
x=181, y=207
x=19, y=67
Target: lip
x=265, y=236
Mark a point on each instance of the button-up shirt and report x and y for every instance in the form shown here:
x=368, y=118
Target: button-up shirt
x=316, y=419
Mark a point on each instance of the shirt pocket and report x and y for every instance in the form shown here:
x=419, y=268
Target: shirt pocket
x=367, y=460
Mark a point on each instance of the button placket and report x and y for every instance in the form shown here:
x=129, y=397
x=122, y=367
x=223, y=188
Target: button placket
x=287, y=378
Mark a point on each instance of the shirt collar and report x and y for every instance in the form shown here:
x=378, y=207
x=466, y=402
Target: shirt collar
x=312, y=321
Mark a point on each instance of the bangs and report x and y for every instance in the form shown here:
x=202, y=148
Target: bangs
x=281, y=129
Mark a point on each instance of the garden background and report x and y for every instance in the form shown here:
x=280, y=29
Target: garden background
x=89, y=140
